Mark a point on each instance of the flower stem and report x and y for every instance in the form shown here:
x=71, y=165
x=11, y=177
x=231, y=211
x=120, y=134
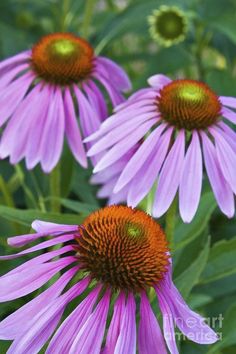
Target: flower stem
x=88, y=14
x=55, y=188
x=170, y=223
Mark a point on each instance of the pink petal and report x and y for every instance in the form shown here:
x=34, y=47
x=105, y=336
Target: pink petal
x=66, y=333
x=13, y=325
x=137, y=161
x=226, y=158
x=158, y=81
x=170, y=176
x=150, y=338
x=220, y=187
x=102, y=106
x=126, y=342
x=230, y=115
x=114, y=328
x=228, y=101
x=53, y=135
x=191, y=180
x=114, y=72
x=90, y=337
x=72, y=130
x=15, y=60
x=123, y=146
x=115, y=96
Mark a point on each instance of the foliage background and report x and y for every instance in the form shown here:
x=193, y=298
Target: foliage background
x=205, y=250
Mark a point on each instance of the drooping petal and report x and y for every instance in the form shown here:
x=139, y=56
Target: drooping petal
x=189, y=322
x=21, y=283
x=72, y=130
x=230, y=115
x=228, y=101
x=136, y=162
x=115, y=325
x=220, y=186
x=158, y=81
x=118, y=133
x=53, y=135
x=39, y=329
x=13, y=325
x=191, y=180
x=150, y=338
x=115, y=96
x=15, y=60
x=102, y=106
x=226, y=158
x=149, y=172
x=66, y=333
x=90, y=337
x=111, y=70
x=170, y=176
x=124, y=145
x=126, y=342
x=11, y=75
x=168, y=323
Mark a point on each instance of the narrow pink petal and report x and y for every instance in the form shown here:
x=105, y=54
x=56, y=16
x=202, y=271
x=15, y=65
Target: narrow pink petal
x=139, y=158
x=90, y=337
x=150, y=338
x=228, y=133
x=149, y=172
x=111, y=70
x=13, y=95
x=39, y=329
x=226, y=157
x=66, y=333
x=72, y=130
x=119, y=132
x=136, y=97
x=230, y=115
x=126, y=342
x=52, y=140
x=13, y=325
x=102, y=106
x=158, y=81
x=124, y=145
x=50, y=227
x=120, y=118
x=190, y=323
x=39, y=118
x=115, y=96
x=22, y=283
x=191, y=180
x=168, y=323
x=220, y=187
x=15, y=60
x=170, y=176
x=7, y=77
x=42, y=245
x=228, y=101
x=115, y=325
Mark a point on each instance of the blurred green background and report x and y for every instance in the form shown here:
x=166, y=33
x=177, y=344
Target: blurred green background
x=205, y=251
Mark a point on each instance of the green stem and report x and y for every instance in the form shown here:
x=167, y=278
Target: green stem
x=170, y=223
x=55, y=188
x=65, y=10
x=88, y=14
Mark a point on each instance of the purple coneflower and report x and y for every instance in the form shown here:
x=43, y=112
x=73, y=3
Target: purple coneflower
x=118, y=254
x=43, y=89
x=181, y=122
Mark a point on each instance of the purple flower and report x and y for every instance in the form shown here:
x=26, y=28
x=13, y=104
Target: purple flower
x=43, y=89
x=116, y=256
x=184, y=125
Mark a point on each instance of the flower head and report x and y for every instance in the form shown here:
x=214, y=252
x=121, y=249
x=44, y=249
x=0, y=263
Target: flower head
x=118, y=254
x=180, y=125
x=42, y=92
x=168, y=25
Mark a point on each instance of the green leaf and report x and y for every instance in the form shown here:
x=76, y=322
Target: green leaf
x=77, y=206
x=25, y=217
x=186, y=281
x=186, y=233
x=222, y=261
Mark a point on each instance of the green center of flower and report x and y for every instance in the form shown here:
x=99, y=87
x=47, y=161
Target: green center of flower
x=189, y=104
x=168, y=24
x=123, y=248
x=62, y=58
